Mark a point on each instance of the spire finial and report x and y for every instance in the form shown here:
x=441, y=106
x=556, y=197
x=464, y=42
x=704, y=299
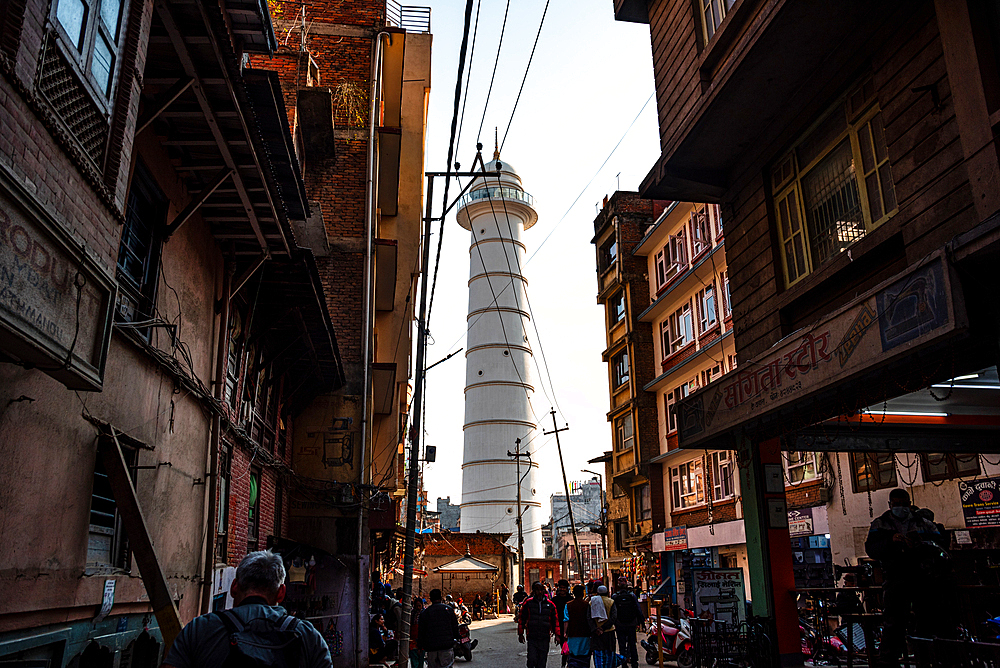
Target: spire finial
x=496, y=144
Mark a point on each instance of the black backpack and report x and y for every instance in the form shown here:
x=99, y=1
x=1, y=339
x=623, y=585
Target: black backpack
x=628, y=609
x=262, y=642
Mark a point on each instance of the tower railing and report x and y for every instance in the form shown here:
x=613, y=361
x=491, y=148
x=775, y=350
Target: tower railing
x=507, y=193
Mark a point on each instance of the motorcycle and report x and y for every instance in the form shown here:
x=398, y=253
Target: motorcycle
x=820, y=648
x=676, y=638
x=465, y=644
x=462, y=613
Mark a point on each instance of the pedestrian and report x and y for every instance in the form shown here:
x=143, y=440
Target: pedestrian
x=579, y=627
x=560, y=600
x=604, y=641
x=628, y=621
x=538, y=619
x=382, y=646
x=416, y=654
x=478, y=604
x=504, y=598
x=520, y=595
x=213, y=639
x=917, y=575
x=438, y=632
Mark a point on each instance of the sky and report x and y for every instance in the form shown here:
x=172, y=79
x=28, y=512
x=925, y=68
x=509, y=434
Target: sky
x=590, y=79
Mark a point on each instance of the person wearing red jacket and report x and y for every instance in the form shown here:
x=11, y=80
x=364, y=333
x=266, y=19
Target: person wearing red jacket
x=539, y=621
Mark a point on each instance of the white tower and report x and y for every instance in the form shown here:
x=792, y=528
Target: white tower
x=498, y=373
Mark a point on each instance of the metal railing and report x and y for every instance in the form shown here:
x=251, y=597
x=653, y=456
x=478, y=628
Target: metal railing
x=497, y=193
x=409, y=17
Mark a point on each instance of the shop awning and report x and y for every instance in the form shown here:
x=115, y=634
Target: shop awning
x=466, y=564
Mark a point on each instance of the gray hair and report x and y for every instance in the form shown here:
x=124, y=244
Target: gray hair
x=261, y=571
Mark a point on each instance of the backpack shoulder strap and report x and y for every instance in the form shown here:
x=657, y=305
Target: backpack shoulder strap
x=230, y=621
x=287, y=622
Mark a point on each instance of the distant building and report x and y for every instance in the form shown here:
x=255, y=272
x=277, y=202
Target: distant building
x=586, y=500
x=450, y=514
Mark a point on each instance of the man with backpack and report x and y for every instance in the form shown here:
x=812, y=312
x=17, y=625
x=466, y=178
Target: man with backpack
x=256, y=632
x=438, y=632
x=629, y=618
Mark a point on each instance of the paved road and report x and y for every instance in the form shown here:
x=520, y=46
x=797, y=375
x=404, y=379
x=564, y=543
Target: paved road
x=498, y=646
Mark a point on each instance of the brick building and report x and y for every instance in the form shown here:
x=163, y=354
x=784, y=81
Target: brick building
x=852, y=152
x=161, y=328
x=635, y=506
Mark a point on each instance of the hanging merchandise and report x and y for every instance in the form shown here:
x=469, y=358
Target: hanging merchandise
x=334, y=639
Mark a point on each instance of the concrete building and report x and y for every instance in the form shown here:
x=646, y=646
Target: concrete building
x=587, y=500
x=591, y=556
x=450, y=514
x=499, y=417
x=161, y=329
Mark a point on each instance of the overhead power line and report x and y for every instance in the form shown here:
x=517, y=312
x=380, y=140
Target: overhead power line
x=526, y=69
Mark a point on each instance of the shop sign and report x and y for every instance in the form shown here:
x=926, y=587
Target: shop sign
x=800, y=522
x=720, y=592
x=55, y=301
x=890, y=322
x=981, y=502
x=674, y=538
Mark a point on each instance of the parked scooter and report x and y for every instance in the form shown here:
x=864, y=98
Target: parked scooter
x=819, y=648
x=677, y=642
x=465, y=644
x=462, y=613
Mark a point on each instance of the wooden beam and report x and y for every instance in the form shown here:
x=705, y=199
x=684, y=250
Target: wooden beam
x=164, y=100
x=251, y=270
x=196, y=203
x=140, y=542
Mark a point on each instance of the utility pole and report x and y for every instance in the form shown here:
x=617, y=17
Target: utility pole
x=517, y=454
x=604, y=526
x=569, y=499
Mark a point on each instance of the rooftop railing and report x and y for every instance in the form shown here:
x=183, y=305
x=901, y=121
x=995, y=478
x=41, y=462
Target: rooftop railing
x=409, y=17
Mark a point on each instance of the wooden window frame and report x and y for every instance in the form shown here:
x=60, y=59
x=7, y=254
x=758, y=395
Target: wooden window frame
x=120, y=554
x=687, y=480
x=661, y=261
x=802, y=463
x=642, y=502
x=856, y=483
x=678, y=337
x=860, y=120
x=720, y=7
x=719, y=462
x=700, y=225
x=708, y=318
x=140, y=291
x=951, y=461
x=616, y=314
x=620, y=372
x=81, y=57
x=624, y=433
x=710, y=374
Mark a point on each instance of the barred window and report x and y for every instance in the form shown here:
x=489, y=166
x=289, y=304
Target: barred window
x=834, y=186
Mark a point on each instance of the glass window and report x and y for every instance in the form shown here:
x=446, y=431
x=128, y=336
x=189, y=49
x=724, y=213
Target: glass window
x=673, y=397
x=707, y=315
x=872, y=470
x=712, y=14
x=642, y=503
x=661, y=261
x=139, y=251
x=834, y=187
x=722, y=475
x=616, y=308
x=939, y=466
x=687, y=484
x=95, y=42
x=72, y=15
x=801, y=466
x=681, y=328
x=708, y=375
x=608, y=254
x=623, y=432
x=701, y=231
x=620, y=369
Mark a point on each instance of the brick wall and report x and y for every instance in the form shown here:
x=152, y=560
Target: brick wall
x=805, y=495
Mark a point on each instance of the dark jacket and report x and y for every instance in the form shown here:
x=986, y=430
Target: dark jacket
x=538, y=618
x=560, y=603
x=898, y=559
x=438, y=628
x=629, y=611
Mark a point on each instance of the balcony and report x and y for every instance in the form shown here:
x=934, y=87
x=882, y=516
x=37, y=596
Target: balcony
x=408, y=17
x=496, y=193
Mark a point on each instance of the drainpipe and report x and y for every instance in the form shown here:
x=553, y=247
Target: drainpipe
x=367, y=324
x=213, y=465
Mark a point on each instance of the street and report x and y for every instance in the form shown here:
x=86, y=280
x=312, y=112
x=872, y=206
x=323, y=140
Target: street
x=498, y=646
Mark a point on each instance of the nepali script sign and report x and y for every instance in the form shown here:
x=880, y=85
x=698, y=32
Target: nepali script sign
x=981, y=502
x=720, y=592
x=904, y=313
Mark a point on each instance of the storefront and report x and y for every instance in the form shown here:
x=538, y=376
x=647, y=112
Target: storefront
x=812, y=559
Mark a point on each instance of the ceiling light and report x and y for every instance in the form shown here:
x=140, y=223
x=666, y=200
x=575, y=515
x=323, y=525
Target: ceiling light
x=967, y=387
x=908, y=413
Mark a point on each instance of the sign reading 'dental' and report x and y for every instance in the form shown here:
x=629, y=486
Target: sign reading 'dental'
x=981, y=502
x=673, y=538
x=720, y=592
